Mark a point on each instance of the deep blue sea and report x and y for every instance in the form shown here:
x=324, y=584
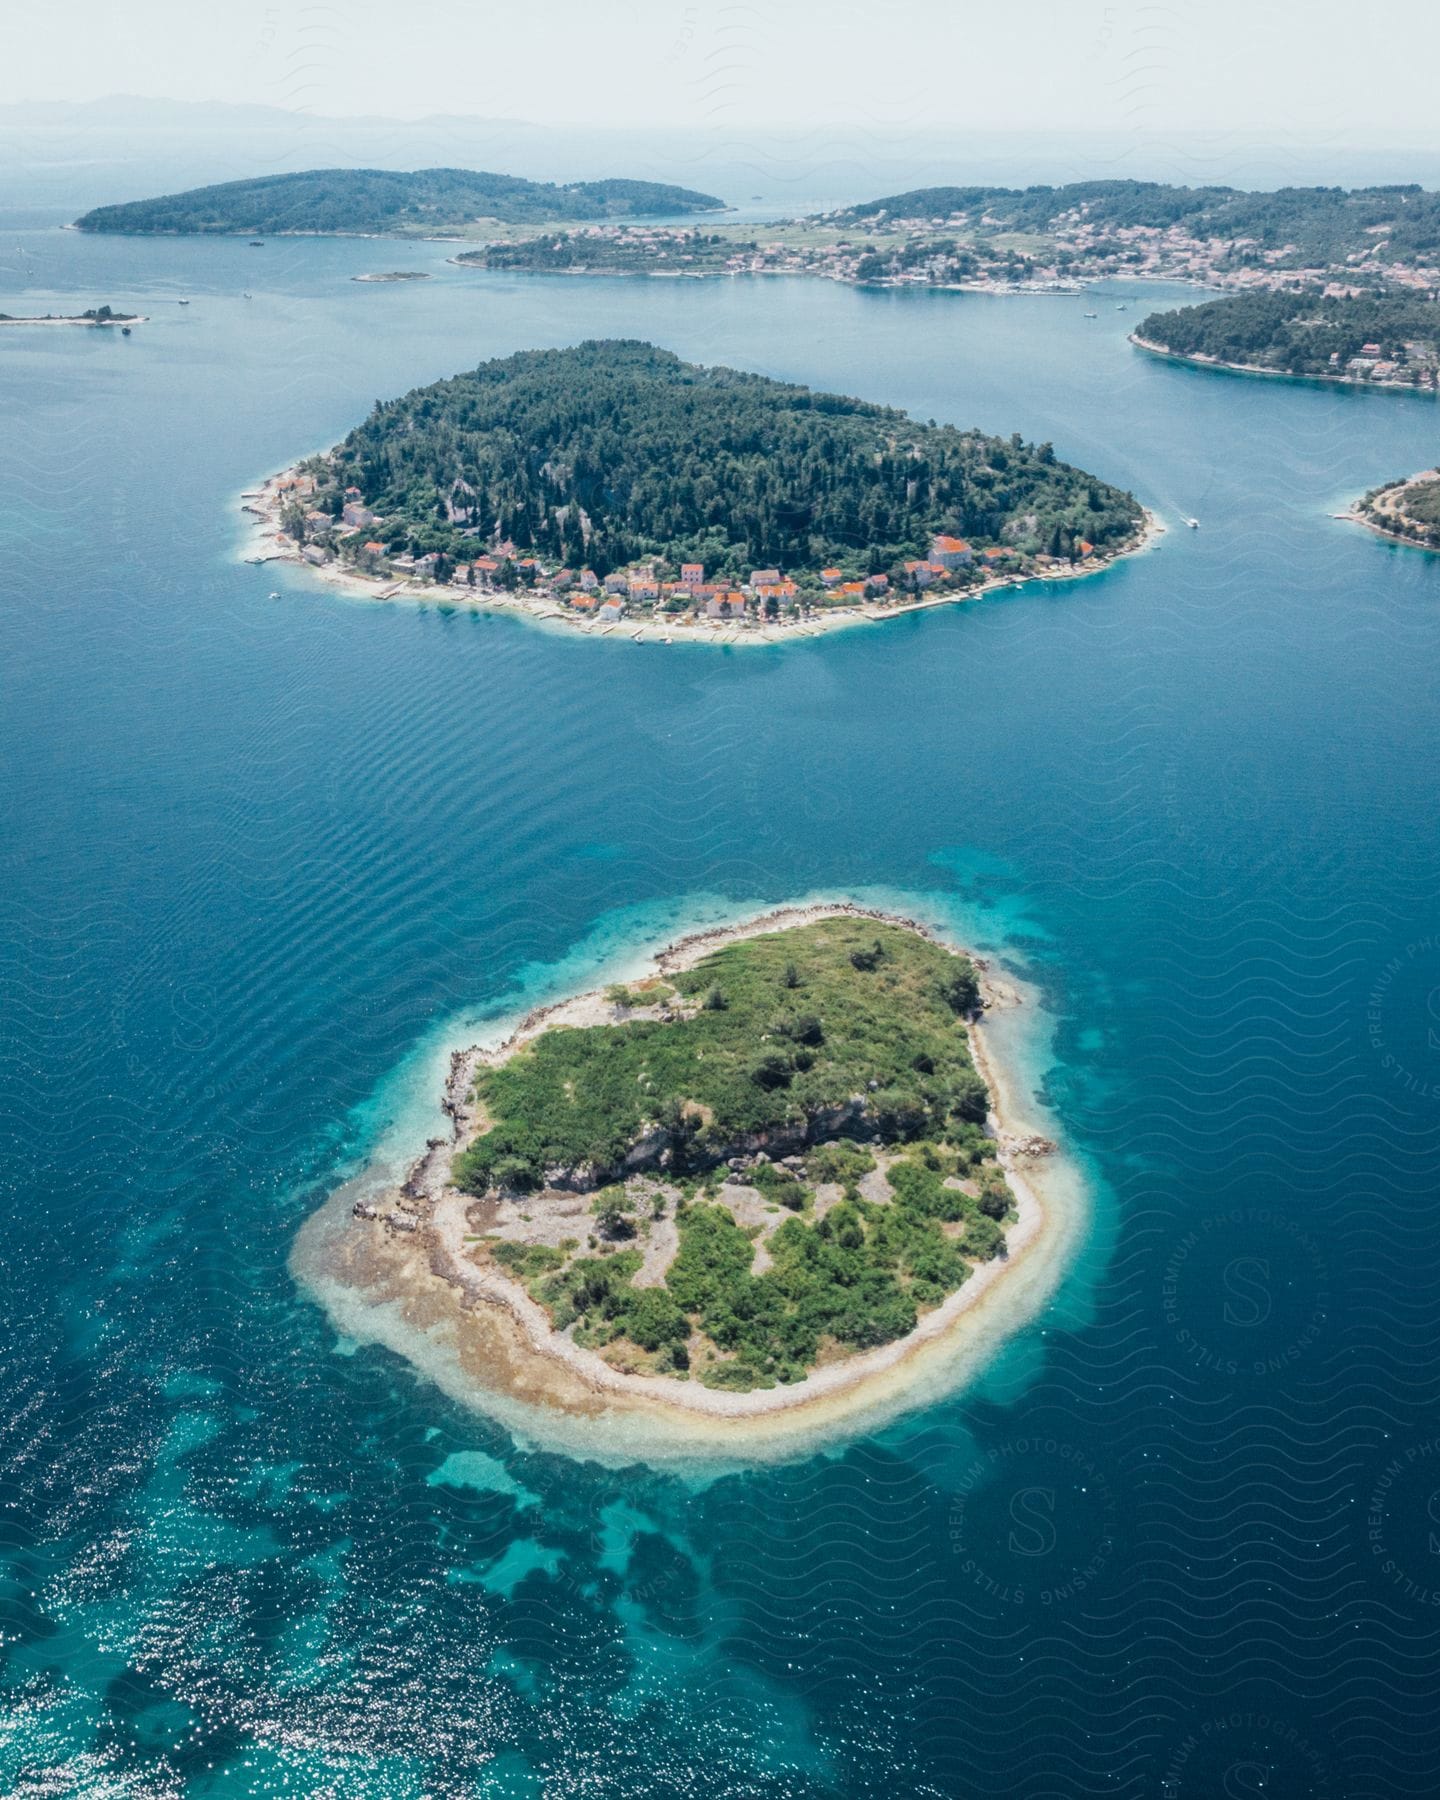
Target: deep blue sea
x=1182, y=1540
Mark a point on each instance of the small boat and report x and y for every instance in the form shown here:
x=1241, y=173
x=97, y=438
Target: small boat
x=275, y=593
x=182, y=302
x=124, y=331
x=257, y=243
x=245, y=296
x=1092, y=315
x=1194, y=524
x=1122, y=307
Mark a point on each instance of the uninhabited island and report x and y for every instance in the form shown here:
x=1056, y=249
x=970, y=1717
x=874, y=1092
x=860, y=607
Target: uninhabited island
x=95, y=315
x=1372, y=338
x=388, y=203
x=613, y=485
x=770, y=1179
x=1406, y=510
x=396, y=275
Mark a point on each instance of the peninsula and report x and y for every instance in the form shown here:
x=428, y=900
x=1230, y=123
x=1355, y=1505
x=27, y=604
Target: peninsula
x=1406, y=510
x=1376, y=338
x=1031, y=240
x=612, y=482
x=388, y=203
x=764, y=1183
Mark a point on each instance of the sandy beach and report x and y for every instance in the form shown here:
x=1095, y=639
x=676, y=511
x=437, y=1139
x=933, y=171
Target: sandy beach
x=388, y=1259
x=260, y=507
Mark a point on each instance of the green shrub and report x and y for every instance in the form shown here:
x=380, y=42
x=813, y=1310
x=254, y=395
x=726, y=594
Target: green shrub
x=983, y=1239
x=842, y=1159
x=526, y=1260
x=780, y=1184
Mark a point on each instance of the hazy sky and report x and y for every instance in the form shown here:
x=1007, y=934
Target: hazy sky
x=1301, y=67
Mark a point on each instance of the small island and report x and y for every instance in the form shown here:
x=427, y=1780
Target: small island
x=755, y=1182
x=95, y=315
x=1406, y=510
x=613, y=485
x=1370, y=339
x=396, y=275
x=387, y=203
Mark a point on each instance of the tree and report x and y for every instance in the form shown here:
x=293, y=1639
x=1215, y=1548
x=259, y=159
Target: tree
x=961, y=988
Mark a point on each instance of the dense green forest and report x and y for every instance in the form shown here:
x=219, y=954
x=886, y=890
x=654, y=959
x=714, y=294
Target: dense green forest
x=1308, y=333
x=1324, y=224
x=782, y=1029
x=613, y=450
x=389, y=200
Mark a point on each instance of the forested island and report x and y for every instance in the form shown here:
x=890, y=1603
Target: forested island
x=613, y=477
x=388, y=202
x=1037, y=240
x=1406, y=509
x=1380, y=339
x=771, y=1156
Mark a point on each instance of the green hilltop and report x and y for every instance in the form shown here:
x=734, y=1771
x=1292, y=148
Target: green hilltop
x=389, y=201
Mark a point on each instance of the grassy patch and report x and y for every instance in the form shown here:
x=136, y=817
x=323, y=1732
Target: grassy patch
x=793, y=1026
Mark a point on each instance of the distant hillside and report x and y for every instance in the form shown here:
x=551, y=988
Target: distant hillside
x=1324, y=225
x=389, y=201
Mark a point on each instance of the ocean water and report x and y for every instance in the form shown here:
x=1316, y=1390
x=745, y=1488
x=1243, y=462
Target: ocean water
x=261, y=855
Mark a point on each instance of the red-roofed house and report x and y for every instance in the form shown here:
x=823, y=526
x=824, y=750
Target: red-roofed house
x=692, y=574
x=950, y=552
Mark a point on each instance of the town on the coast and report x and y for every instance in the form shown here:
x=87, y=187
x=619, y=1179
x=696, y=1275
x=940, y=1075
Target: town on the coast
x=333, y=530
x=1006, y=242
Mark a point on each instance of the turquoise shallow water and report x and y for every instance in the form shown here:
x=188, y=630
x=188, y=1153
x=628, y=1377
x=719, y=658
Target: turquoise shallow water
x=258, y=854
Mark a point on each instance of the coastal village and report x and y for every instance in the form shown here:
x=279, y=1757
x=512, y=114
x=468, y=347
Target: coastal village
x=962, y=250
x=296, y=525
